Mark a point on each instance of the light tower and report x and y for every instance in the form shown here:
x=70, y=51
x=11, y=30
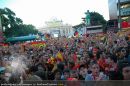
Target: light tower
x=1, y=31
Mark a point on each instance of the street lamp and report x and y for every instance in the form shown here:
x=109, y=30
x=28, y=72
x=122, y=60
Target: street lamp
x=0, y=24
x=85, y=26
x=119, y=16
x=1, y=35
x=1, y=30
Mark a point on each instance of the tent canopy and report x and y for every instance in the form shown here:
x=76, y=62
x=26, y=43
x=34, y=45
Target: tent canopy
x=21, y=38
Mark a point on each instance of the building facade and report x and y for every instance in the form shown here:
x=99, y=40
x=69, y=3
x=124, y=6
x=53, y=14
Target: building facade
x=120, y=10
x=94, y=29
x=85, y=30
x=112, y=9
x=57, y=28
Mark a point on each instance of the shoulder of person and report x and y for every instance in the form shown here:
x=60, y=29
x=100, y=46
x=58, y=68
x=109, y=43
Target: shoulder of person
x=35, y=77
x=88, y=77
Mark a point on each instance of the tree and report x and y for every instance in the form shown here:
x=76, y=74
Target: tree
x=97, y=19
x=27, y=29
x=21, y=30
x=8, y=18
x=13, y=26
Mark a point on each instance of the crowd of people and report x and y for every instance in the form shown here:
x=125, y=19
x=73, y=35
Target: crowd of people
x=78, y=58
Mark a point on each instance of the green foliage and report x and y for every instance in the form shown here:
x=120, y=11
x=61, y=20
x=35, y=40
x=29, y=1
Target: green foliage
x=21, y=30
x=13, y=26
x=97, y=19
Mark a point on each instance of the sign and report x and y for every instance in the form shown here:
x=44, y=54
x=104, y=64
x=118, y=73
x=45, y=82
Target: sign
x=123, y=0
x=125, y=11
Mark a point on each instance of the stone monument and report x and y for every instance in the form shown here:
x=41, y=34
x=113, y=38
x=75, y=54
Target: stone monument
x=87, y=18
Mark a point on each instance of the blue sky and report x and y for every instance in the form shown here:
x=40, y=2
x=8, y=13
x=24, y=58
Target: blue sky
x=36, y=12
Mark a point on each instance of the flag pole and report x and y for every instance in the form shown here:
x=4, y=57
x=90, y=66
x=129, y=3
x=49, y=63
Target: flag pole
x=1, y=30
x=119, y=16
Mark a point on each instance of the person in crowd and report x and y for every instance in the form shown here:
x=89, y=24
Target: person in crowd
x=32, y=76
x=41, y=72
x=82, y=72
x=124, y=69
x=96, y=74
x=57, y=74
x=121, y=53
x=15, y=78
x=2, y=75
x=82, y=58
x=71, y=65
x=66, y=74
x=112, y=71
x=73, y=75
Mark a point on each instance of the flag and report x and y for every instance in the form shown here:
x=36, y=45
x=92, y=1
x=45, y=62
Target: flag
x=59, y=56
x=124, y=24
x=38, y=44
x=76, y=34
x=51, y=60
